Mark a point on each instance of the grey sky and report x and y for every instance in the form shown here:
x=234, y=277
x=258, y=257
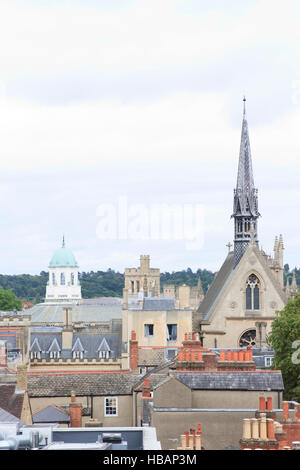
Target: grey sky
x=101, y=100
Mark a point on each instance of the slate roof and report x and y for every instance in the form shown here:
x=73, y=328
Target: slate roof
x=6, y=417
x=90, y=342
x=9, y=338
x=51, y=414
x=10, y=400
x=83, y=311
x=217, y=287
x=232, y=381
x=158, y=303
x=82, y=384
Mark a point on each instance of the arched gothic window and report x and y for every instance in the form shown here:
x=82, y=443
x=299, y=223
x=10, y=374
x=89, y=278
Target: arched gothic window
x=62, y=279
x=252, y=293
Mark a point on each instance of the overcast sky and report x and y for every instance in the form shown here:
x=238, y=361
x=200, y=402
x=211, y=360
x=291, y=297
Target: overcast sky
x=106, y=101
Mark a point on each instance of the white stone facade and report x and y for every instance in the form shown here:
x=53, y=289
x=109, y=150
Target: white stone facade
x=63, y=284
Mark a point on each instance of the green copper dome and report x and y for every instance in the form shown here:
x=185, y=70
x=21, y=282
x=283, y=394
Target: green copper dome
x=63, y=257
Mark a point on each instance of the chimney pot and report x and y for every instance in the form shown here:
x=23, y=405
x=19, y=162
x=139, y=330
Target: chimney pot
x=297, y=412
x=270, y=429
x=286, y=412
x=222, y=356
x=269, y=404
x=146, y=382
x=262, y=404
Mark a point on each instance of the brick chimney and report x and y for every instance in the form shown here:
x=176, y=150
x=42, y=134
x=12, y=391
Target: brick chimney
x=21, y=376
x=146, y=391
x=75, y=412
x=3, y=361
x=133, y=352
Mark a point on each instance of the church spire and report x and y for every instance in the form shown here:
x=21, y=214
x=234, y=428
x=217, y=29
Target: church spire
x=245, y=205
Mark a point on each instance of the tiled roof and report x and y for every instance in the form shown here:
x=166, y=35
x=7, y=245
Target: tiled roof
x=6, y=417
x=82, y=384
x=10, y=400
x=265, y=380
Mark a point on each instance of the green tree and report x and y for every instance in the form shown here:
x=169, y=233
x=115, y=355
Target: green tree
x=285, y=339
x=8, y=301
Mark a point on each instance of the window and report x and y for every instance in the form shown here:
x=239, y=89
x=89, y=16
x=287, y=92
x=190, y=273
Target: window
x=132, y=286
x=149, y=330
x=111, y=406
x=35, y=355
x=268, y=361
x=170, y=354
x=171, y=332
x=77, y=354
x=54, y=354
x=62, y=279
x=252, y=293
x=104, y=354
x=53, y=279
x=138, y=286
x=72, y=279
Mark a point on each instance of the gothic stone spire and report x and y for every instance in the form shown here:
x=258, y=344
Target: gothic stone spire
x=245, y=204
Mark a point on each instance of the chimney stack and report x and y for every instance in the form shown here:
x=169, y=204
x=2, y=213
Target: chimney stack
x=133, y=352
x=75, y=412
x=21, y=376
x=3, y=361
x=146, y=391
x=67, y=332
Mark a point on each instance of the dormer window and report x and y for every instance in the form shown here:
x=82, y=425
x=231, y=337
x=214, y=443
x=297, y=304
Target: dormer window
x=54, y=354
x=104, y=354
x=77, y=354
x=35, y=355
x=104, y=351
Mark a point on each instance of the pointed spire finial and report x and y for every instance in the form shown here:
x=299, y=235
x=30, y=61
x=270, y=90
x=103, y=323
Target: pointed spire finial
x=244, y=99
x=63, y=242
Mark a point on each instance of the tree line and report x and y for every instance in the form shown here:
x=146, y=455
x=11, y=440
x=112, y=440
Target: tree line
x=32, y=288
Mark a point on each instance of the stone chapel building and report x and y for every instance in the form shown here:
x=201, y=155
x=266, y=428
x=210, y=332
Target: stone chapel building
x=241, y=304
